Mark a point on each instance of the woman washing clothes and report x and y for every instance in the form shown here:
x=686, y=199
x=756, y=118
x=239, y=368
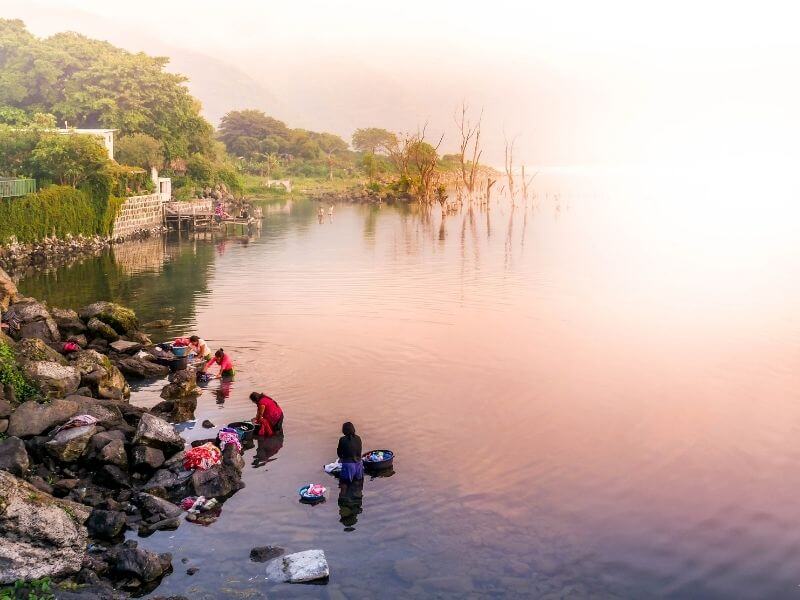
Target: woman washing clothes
x=269, y=415
x=199, y=348
x=349, y=453
x=225, y=364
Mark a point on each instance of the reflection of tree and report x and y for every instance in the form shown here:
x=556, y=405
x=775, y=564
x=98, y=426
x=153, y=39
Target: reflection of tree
x=169, y=293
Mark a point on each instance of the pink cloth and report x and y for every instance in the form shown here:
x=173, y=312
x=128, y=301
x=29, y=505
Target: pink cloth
x=203, y=457
x=315, y=489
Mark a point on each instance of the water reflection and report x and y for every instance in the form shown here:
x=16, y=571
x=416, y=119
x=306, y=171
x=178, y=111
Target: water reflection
x=266, y=449
x=598, y=389
x=351, y=498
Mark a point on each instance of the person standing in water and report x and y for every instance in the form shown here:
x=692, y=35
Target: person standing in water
x=269, y=415
x=330, y=213
x=349, y=453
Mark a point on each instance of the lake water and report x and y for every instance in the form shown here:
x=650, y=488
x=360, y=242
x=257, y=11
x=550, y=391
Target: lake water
x=594, y=394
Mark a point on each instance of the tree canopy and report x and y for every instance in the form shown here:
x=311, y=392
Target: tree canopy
x=91, y=83
x=373, y=140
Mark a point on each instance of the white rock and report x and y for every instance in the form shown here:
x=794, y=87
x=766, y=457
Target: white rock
x=300, y=567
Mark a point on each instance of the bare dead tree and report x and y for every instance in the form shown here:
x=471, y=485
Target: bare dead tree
x=509, y=166
x=489, y=183
x=526, y=182
x=469, y=149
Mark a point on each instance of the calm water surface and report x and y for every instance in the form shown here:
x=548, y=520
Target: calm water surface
x=596, y=394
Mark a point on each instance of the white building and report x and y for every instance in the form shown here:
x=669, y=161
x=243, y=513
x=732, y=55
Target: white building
x=107, y=135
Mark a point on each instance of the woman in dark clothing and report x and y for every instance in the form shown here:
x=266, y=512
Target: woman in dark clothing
x=349, y=453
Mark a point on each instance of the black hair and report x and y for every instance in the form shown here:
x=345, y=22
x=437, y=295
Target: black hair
x=255, y=396
x=219, y=352
x=194, y=338
x=348, y=428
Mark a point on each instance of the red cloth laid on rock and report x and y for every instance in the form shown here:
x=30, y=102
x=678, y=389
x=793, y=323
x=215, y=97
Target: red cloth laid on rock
x=203, y=457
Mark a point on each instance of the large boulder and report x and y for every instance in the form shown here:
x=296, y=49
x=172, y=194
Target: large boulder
x=155, y=508
x=68, y=322
x=114, y=453
x=122, y=319
x=143, y=564
x=52, y=378
x=40, y=536
x=14, y=456
x=183, y=384
x=146, y=458
x=300, y=567
x=168, y=483
x=125, y=347
x=100, y=375
x=5, y=405
x=33, y=320
x=106, y=524
x=102, y=330
x=157, y=433
x=143, y=369
x=35, y=350
x=107, y=412
x=8, y=291
x=176, y=411
x=31, y=418
x=218, y=481
x=68, y=445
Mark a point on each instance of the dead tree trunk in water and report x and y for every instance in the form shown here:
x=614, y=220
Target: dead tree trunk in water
x=509, y=165
x=470, y=144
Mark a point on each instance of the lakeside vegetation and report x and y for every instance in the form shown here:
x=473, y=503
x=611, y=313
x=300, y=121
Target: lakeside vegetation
x=70, y=80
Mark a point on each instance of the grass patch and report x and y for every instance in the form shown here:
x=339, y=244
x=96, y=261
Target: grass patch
x=11, y=374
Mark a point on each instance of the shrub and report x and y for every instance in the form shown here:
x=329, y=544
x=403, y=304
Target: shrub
x=10, y=374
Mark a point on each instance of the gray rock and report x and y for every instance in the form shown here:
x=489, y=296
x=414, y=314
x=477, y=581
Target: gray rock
x=300, y=567
x=218, y=481
x=53, y=379
x=112, y=476
x=155, y=507
x=105, y=411
x=68, y=322
x=14, y=456
x=5, y=407
x=40, y=536
x=157, y=433
x=3, y=425
x=40, y=484
x=35, y=321
x=143, y=564
x=69, y=445
x=183, y=384
x=102, y=330
x=99, y=374
x=143, y=369
x=114, y=453
x=31, y=418
x=102, y=439
x=106, y=524
x=34, y=349
x=125, y=347
x=148, y=458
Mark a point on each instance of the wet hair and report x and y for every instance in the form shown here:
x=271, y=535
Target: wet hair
x=348, y=428
x=194, y=339
x=256, y=396
x=219, y=353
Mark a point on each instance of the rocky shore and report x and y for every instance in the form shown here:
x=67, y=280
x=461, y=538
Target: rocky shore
x=16, y=258
x=79, y=464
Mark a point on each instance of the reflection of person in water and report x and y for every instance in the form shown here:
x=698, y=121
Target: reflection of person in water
x=351, y=497
x=224, y=389
x=267, y=448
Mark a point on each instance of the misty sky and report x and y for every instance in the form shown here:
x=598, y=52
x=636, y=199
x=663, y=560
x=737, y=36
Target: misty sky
x=574, y=82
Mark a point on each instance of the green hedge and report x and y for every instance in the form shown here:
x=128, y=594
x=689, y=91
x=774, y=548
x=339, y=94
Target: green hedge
x=59, y=209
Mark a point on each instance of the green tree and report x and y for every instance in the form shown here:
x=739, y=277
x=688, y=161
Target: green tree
x=70, y=159
x=250, y=132
x=374, y=140
x=16, y=146
x=139, y=150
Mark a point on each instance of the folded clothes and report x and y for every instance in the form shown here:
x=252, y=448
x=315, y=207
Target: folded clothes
x=79, y=421
x=202, y=457
x=333, y=467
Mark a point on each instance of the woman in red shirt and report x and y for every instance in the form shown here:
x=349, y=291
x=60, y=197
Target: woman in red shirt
x=225, y=364
x=269, y=415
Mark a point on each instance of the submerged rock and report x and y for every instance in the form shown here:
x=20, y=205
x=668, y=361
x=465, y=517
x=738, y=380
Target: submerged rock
x=300, y=567
x=265, y=553
x=143, y=564
x=40, y=536
x=31, y=418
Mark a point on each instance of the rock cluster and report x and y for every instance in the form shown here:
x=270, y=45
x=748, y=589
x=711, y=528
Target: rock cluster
x=69, y=493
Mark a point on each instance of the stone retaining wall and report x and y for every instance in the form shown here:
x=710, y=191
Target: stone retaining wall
x=139, y=213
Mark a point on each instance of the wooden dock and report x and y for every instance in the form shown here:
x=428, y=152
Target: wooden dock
x=192, y=216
